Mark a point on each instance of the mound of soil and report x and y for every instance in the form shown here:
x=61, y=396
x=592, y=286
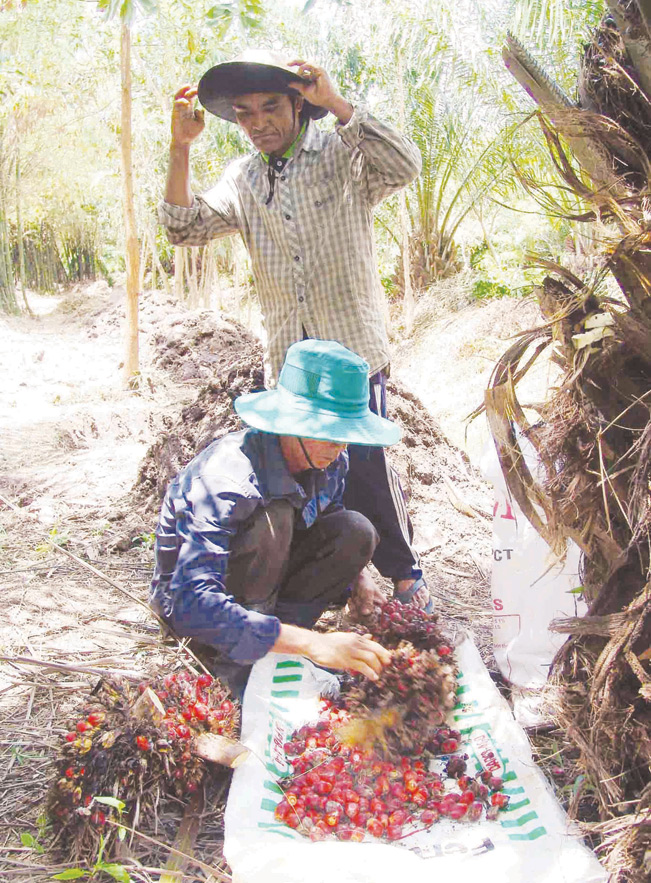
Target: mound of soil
x=230, y=358
x=448, y=501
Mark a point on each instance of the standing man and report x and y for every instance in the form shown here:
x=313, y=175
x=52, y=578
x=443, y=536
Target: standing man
x=303, y=204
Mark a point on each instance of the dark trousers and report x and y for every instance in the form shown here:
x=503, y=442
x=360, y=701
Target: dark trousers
x=293, y=574
x=297, y=573
x=373, y=488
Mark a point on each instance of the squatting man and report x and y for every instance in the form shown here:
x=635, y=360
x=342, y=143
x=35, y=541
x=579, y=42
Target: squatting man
x=254, y=542
x=303, y=204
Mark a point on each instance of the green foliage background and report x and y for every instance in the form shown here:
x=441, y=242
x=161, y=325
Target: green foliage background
x=432, y=67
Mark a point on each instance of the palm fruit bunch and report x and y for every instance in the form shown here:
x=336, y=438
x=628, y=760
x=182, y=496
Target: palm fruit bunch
x=113, y=750
x=411, y=697
x=353, y=793
x=395, y=622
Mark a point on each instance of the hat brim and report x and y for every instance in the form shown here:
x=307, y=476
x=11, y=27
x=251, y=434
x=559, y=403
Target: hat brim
x=220, y=85
x=283, y=413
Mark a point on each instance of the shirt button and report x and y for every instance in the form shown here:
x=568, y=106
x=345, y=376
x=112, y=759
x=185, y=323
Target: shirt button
x=317, y=203
x=283, y=177
x=297, y=257
x=300, y=298
x=288, y=217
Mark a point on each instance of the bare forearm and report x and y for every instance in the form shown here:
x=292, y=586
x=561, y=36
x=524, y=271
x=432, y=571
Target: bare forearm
x=342, y=109
x=177, y=189
x=293, y=639
x=343, y=650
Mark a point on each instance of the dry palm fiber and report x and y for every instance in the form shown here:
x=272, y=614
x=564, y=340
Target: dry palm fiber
x=593, y=440
x=609, y=85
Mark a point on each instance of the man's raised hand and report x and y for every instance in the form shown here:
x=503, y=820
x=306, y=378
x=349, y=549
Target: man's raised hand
x=187, y=120
x=317, y=88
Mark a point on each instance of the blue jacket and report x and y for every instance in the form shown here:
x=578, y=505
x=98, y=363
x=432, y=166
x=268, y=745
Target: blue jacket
x=203, y=509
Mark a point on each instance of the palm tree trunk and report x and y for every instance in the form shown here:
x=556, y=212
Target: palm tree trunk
x=131, y=361
x=636, y=37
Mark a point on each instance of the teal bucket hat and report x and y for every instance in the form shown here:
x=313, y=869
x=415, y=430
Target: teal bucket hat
x=322, y=393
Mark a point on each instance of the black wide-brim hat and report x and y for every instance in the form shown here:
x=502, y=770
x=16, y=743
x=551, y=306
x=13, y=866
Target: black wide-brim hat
x=256, y=70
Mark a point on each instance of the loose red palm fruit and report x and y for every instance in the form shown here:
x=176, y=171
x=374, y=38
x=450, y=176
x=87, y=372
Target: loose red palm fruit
x=186, y=714
x=332, y=819
x=394, y=832
x=70, y=773
x=474, y=811
x=70, y=737
x=443, y=650
x=377, y=806
x=458, y=810
x=357, y=835
x=95, y=718
x=374, y=827
x=98, y=817
x=183, y=732
x=463, y=782
x=280, y=811
x=499, y=800
x=492, y=813
x=352, y=809
x=495, y=783
x=323, y=787
x=82, y=726
x=399, y=817
x=449, y=746
x=345, y=832
x=419, y=797
x=292, y=820
x=429, y=816
x=467, y=797
x=143, y=743
x=227, y=706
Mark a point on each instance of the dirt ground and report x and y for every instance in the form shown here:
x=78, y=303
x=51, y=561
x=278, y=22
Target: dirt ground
x=82, y=459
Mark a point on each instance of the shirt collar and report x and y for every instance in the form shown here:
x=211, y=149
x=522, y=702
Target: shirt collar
x=274, y=478
x=293, y=147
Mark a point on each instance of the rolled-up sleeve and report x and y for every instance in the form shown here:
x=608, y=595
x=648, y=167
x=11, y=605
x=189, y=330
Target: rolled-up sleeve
x=390, y=159
x=209, y=217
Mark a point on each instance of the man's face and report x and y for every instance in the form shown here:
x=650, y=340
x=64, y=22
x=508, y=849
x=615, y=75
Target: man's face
x=322, y=453
x=270, y=119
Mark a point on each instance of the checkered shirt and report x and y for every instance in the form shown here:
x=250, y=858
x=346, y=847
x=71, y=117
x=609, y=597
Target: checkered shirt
x=312, y=248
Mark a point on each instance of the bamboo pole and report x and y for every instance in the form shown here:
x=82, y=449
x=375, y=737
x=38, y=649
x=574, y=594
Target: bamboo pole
x=131, y=361
x=408, y=301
